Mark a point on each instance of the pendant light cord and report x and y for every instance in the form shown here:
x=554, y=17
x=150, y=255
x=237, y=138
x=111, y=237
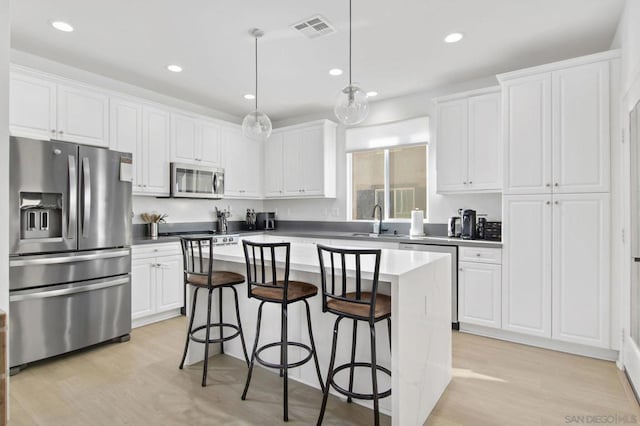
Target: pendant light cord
x=350, y=82
x=256, y=38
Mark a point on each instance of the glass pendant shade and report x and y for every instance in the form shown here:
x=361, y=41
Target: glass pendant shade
x=352, y=105
x=257, y=126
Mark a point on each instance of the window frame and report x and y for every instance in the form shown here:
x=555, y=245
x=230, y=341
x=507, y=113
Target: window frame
x=387, y=179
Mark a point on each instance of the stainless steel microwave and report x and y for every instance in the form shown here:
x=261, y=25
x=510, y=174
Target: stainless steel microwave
x=191, y=181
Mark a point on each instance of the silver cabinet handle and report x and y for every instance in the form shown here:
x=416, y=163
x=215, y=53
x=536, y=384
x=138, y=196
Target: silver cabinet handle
x=68, y=291
x=61, y=132
x=548, y=202
x=86, y=186
x=556, y=203
x=53, y=132
x=470, y=182
x=460, y=269
x=556, y=184
x=548, y=185
x=72, y=214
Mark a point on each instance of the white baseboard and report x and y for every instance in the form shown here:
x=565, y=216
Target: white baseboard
x=632, y=363
x=540, y=342
x=139, y=322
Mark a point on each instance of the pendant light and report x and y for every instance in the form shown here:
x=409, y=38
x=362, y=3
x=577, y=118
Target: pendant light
x=257, y=125
x=352, y=105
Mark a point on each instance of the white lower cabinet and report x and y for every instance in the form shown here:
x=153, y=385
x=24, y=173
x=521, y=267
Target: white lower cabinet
x=556, y=267
x=156, y=283
x=479, y=294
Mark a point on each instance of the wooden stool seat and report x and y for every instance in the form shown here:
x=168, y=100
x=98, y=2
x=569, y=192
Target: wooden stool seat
x=298, y=290
x=218, y=279
x=381, y=310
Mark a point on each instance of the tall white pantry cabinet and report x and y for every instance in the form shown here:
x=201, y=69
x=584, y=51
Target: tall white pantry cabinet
x=556, y=218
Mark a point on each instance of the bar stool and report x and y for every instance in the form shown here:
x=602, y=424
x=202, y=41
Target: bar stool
x=359, y=305
x=284, y=293
x=199, y=273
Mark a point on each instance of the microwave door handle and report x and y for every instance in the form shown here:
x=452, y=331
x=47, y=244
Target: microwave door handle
x=86, y=187
x=72, y=195
x=215, y=183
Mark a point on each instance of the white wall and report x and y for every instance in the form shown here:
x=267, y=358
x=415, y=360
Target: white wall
x=181, y=210
x=439, y=208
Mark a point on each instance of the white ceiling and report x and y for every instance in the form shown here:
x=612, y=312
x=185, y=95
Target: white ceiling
x=398, y=47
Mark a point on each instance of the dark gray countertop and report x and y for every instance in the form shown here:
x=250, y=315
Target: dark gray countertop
x=430, y=240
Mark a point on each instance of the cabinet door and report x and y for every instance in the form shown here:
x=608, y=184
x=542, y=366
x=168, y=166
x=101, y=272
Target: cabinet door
x=480, y=294
x=527, y=135
x=155, y=137
x=526, y=264
x=252, y=172
x=273, y=166
x=581, y=136
x=126, y=134
x=581, y=269
x=293, y=168
x=485, y=146
x=209, y=143
x=451, y=146
x=233, y=158
x=183, y=138
x=83, y=116
x=169, y=283
x=32, y=107
x=142, y=287
x=312, y=161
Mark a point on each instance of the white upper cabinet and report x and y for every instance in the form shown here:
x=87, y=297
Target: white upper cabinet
x=451, y=146
x=273, y=166
x=527, y=130
x=209, y=143
x=556, y=126
x=183, y=138
x=83, y=116
x=580, y=268
x=32, y=107
x=303, y=164
x=44, y=108
x=580, y=105
x=126, y=134
x=155, y=151
x=526, y=268
x=242, y=161
x=468, y=143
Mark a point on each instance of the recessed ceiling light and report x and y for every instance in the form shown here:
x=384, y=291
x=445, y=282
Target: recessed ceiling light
x=453, y=37
x=335, y=71
x=372, y=94
x=174, y=68
x=62, y=26
x=249, y=96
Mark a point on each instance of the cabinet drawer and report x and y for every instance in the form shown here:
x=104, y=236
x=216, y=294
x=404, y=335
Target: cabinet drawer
x=480, y=255
x=153, y=250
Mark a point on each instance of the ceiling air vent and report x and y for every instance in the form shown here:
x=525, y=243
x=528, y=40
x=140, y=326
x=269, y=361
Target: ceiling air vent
x=314, y=27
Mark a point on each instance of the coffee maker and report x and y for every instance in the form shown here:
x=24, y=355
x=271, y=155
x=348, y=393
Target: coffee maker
x=468, y=224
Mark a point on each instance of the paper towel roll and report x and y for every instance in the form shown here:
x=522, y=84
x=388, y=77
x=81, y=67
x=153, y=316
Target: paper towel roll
x=417, y=225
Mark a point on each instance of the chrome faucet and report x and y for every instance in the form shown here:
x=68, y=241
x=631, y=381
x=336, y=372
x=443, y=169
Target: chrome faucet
x=373, y=215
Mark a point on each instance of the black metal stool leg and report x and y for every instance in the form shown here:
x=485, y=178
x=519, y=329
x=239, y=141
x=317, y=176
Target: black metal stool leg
x=313, y=346
x=325, y=397
x=193, y=311
x=244, y=346
x=253, y=353
x=220, y=316
x=374, y=375
x=353, y=356
x=281, y=347
x=389, y=329
x=206, y=345
x=285, y=360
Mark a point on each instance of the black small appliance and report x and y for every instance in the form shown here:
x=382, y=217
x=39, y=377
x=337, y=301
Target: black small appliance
x=468, y=224
x=266, y=221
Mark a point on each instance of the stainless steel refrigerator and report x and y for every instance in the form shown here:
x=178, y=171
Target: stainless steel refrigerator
x=70, y=256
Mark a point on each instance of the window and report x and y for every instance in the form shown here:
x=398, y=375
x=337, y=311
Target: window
x=395, y=178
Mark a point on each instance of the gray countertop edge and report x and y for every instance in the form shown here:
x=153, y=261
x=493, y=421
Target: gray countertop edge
x=442, y=241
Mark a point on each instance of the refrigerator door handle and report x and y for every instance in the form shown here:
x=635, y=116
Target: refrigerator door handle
x=56, y=260
x=72, y=214
x=67, y=291
x=86, y=187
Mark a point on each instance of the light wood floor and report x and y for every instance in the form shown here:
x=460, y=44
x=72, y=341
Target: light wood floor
x=138, y=383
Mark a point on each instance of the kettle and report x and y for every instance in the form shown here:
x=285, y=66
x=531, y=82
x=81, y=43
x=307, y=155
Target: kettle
x=454, y=226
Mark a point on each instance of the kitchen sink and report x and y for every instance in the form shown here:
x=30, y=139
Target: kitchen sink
x=371, y=235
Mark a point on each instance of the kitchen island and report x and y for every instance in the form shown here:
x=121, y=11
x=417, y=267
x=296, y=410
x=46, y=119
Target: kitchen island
x=420, y=361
